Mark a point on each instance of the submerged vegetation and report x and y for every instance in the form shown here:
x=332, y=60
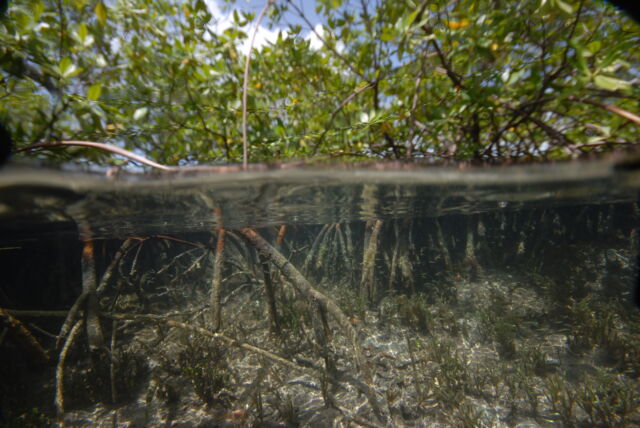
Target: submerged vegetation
x=455, y=320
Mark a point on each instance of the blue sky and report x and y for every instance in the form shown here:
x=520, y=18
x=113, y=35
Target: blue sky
x=222, y=13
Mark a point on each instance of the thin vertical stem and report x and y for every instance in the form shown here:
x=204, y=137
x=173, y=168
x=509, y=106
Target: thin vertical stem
x=245, y=85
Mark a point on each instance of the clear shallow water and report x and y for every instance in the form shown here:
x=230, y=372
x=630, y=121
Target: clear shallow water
x=388, y=296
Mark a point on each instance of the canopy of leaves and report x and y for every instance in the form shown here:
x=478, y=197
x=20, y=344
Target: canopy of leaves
x=456, y=79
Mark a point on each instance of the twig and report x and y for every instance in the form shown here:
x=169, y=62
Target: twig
x=204, y=122
x=553, y=133
x=349, y=65
x=605, y=143
x=175, y=260
x=55, y=114
x=613, y=109
x=102, y=146
x=344, y=102
x=455, y=78
x=35, y=314
x=412, y=120
x=183, y=241
x=245, y=84
x=43, y=331
x=196, y=263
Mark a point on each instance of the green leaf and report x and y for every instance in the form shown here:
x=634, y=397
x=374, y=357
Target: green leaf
x=387, y=35
x=404, y=24
x=94, y=91
x=200, y=6
x=615, y=53
x=140, y=113
x=37, y=8
x=611, y=83
x=64, y=65
x=515, y=76
x=564, y=6
x=82, y=31
x=82, y=34
x=594, y=46
x=101, y=13
x=67, y=68
x=581, y=62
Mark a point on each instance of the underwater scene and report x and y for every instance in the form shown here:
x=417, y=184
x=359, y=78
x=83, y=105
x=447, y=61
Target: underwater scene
x=379, y=296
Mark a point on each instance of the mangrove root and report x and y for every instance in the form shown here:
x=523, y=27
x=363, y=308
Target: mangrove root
x=216, y=282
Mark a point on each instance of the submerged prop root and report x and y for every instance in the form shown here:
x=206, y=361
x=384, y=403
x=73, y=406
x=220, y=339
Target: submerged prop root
x=94, y=330
x=314, y=247
x=367, y=284
x=216, y=282
x=301, y=283
x=22, y=335
x=124, y=248
x=60, y=369
x=304, y=287
x=70, y=318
